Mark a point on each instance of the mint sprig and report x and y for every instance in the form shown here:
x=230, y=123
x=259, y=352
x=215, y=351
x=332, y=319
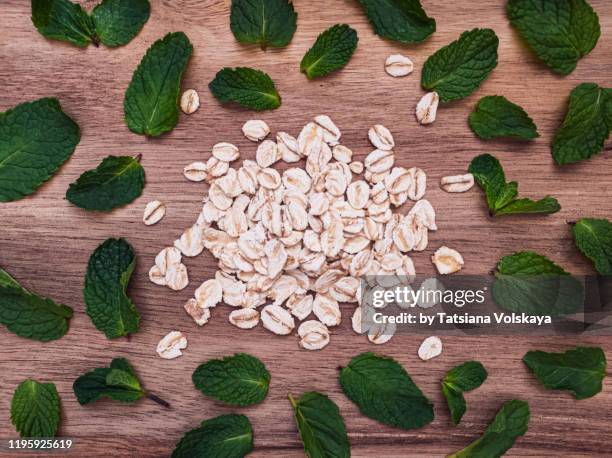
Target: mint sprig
x=464, y=377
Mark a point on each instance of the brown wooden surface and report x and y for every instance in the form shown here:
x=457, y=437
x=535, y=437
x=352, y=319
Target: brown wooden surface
x=45, y=242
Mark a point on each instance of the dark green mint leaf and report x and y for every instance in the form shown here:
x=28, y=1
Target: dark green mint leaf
x=509, y=424
x=465, y=377
x=594, y=238
x=36, y=138
x=332, y=51
x=546, y=206
x=35, y=409
x=117, y=181
x=151, y=100
x=586, y=126
x=246, y=86
x=560, y=32
x=117, y=22
x=321, y=426
x=63, y=20
x=108, y=274
x=225, y=436
x=456, y=70
x=527, y=282
x=239, y=380
x=264, y=22
x=399, y=20
x=495, y=116
x=384, y=391
x=580, y=370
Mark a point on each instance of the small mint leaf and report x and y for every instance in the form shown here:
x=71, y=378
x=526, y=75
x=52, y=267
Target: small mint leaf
x=331, y=52
x=63, y=20
x=246, y=86
x=117, y=22
x=495, y=116
x=264, y=22
x=593, y=238
x=35, y=409
x=464, y=377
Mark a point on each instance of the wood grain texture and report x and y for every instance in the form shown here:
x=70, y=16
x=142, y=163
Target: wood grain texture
x=45, y=242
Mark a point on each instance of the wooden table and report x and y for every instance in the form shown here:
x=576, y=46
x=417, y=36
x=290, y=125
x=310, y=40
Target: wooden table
x=45, y=242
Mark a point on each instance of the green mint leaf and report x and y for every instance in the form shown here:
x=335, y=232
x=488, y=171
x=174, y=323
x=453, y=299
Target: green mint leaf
x=594, y=238
x=465, y=377
x=527, y=282
x=264, y=22
x=384, y=391
x=247, y=87
x=63, y=20
x=239, y=380
x=36, y=138
x=29, y=315
x=225, y=436
x=559, y=32
x=456, y=70
x=331, y=52
x=117, y=22
x=151, y=100
x=586, y=126
x=35, y=409
x=108, y=274
x=580, y=370
x=502, y=196
x=118, y=382
x=399, y=20
x=509, y=424
x=117, y=181
x=321, y=426
x=495, y=116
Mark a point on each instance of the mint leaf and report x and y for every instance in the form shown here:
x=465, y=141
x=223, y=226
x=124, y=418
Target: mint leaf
x=384, y=391
x=36, y=138
x=29, y=315
x=502, y=196
x=239, y=380
x=580, y=370
x=264, y=22
x=509, y=424
x=332, y=51
x=151, y=99
x=457, y=69
x=559, y=32
x=225, y=436
x=35, y=409
x=321, y=426
x=465, y=377
x=117, y=22
x=594, y=238
x=246, y=86
x=108, y=274
x=399, y=20
x=586, y=126
x=117, y=181
x=526, y=282
x=63, y=20
x=495, y=116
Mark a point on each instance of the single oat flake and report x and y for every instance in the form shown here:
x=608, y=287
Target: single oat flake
x=427, y=108
x=398, y=65
x=447, y=260
x=171, y=345
x=255, y=130
x=457, y=183
x=154, y=212
x=430, y=348
x=190, y=101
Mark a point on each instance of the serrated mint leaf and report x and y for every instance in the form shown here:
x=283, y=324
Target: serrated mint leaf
x=465, y=377
x=35, y=409
x=332, y=51
x=457, y=69
x=321, y=426
x=239, y=380
x=527, y=282
x=247, y=87
x=117, y=22
x=495, y=116
x=594, y=238
x=399, y=20
x=384, y=391
x=107, y=303
x=580, y=370
x=225, y=436
x=264, y=22
x=36, y=138
x=502, y=196
x=117, y=181
x=560, y=32
x=63, y=20
x=29, y=315
x=586, y=126
x=151, y=100
x=510, y=423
